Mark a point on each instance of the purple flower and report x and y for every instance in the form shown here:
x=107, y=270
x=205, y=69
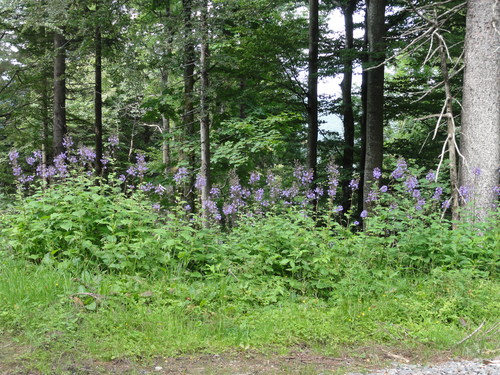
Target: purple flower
x=318, y=191
x=30, y=160
x=259, y=195
x=87, y=154
x=13, y=156
x=477, y=171
x=496, y=190
x=416, y=193
x=187, y=207
x=420, y=204
x=363, y=214
x=464, y=192
x=446, y=204
x=160, y=189
x=377, y=173
x=131, y=171
x=356, y=222
x=215, y=192
x=437, y=193
x=372, y=196
x=270, y=179
x=181, y=175
x=431, y=176
x=229, y=209
x=354, y=184
x=400, y=169
x=122, y=178
x=254, y=178
x=339, y=208
x=60, y=165
x=67, y=142
x=411, y=183
x=201, y=182
x=384, y=188
x=113, y=140
x=17, y=171
x=303, y=175
x=141, y=166
x=38, y=155
x=146, y=187
x=156, y=206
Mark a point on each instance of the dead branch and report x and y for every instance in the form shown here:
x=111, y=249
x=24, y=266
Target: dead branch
x=472, y=334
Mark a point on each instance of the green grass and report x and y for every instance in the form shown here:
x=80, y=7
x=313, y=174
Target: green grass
x=139, y=318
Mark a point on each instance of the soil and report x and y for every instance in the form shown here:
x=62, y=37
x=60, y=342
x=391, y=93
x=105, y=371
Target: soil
x=15, y=360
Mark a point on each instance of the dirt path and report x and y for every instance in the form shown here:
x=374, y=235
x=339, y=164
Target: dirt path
x=16, y=359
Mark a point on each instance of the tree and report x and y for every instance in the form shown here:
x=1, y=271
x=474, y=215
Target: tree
x=480, y=132
x=312, y=87
x=347, y=107
x=59, y=128
x=375, y=93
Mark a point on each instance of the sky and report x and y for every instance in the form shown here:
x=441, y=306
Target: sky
x=331, y=85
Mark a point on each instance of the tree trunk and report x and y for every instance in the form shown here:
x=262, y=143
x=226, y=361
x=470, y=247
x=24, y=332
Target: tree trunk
x=59, y=126
x=98, y=101
x=364, y=93
x=480, y=132
x=312, y=87
x=204, y=115
x=187, y=151
x=348, y=115
x=375, y=94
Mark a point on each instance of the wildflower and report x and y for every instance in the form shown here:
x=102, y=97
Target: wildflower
x=132, y=171
x=160, y=189
x=411, y=183
x=372, y=196
x=13, y=156
x=384, y=188
x=201, y=182
x=363, y=214
x=181, y=175
x=113, y=140
x=416, y=193
x=400, y=169
x=377, y=173
x=477, y=171
x=354, y=184
x=356, y=222
x=339, y=208
x=141, y=166
x=446, y=204
x=464, y=192
x=187, y=207
x=254, y=178
x=156, y=206
x=215, y=192
x=420, y=204
x=87, y=154
x=228, y=209
x=122, y=178
x=437, y=193
x=30, y=160
x=431, y=176
x=305, y=176
x=67, y=142
x=259, y=195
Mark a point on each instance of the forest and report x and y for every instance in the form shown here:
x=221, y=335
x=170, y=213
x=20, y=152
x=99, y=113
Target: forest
x=183, y=177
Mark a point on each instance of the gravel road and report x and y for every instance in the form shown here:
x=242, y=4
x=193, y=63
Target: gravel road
x=446, y=368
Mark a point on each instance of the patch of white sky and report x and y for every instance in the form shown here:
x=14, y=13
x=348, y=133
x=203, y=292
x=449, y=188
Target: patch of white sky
x=330, y=86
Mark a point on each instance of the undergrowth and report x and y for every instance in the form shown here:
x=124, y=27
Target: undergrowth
x=88, y=269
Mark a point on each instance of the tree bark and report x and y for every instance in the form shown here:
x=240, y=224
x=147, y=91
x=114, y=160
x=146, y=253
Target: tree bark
x=480, y=132
x=59, y=125
x=204, y=115
x=364, y=93
x=98, y=100
x=187, y=151
x=312, y=87
x=348, y=115
x=375, y=94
